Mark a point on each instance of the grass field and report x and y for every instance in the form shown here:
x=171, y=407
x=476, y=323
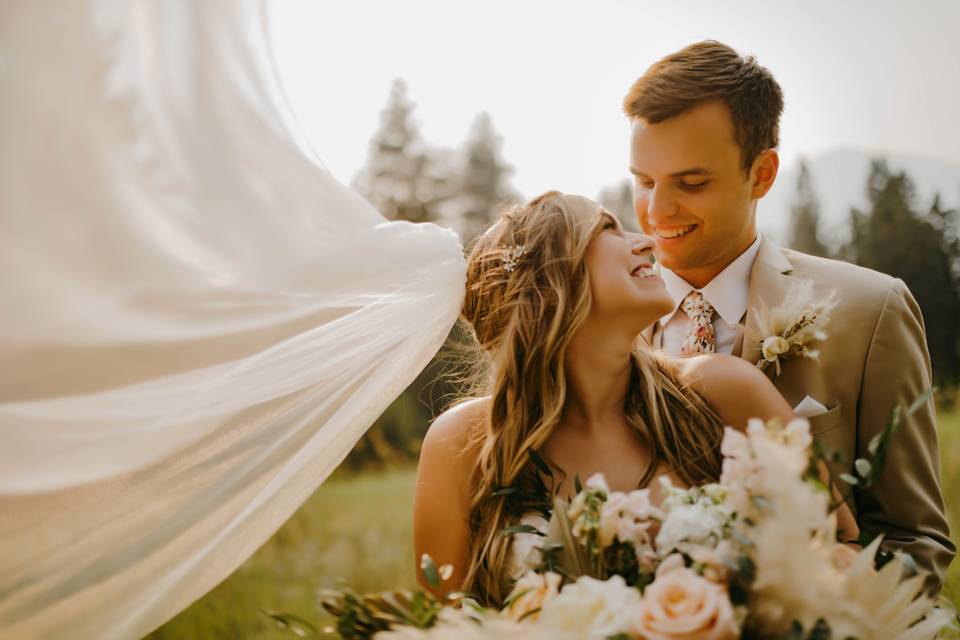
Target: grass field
x=949, y=428
x=358, y=531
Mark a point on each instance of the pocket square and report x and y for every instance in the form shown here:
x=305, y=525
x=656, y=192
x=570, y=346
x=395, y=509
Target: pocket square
x=809, y=408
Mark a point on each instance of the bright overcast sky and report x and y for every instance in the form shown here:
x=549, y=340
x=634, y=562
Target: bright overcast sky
x=882, y=76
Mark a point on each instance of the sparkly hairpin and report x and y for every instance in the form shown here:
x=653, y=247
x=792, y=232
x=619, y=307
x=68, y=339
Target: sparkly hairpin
x=513, y=254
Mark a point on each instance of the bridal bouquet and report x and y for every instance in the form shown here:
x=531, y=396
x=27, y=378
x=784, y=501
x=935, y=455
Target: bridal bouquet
x=753, y=556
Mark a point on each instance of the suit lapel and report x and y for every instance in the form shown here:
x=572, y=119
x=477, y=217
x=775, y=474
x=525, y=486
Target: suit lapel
x=769, y=283
x=738, y=342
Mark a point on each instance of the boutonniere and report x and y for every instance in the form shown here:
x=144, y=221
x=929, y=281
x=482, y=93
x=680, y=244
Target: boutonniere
x=790, y=329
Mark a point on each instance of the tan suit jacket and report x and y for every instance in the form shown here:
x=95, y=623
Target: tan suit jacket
x=875, y=355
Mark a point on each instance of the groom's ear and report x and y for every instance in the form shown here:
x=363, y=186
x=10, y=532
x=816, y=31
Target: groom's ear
x=764, y=173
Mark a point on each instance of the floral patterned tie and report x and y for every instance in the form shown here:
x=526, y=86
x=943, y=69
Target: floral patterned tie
x=701, y=338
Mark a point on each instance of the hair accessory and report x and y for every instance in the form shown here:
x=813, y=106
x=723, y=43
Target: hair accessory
x=513, y=254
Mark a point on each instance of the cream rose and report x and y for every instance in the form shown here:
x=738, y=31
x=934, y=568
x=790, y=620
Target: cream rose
x=679, y=603
x=530, y=593
x=774, y=347
x=590, y=609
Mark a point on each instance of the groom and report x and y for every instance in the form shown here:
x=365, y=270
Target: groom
x=705, y=127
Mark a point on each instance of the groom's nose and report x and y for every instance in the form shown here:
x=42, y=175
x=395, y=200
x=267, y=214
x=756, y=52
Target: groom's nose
x=660, y=205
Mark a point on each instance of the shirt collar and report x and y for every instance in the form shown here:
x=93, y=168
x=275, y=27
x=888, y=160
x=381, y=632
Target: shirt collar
x=728, y=292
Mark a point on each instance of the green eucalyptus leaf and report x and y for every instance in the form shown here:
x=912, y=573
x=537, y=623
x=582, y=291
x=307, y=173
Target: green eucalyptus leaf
x=528, y=613
x=429, y=569
x=863, y=467
x=540, y=463
x=418, y=604
x=289, y=622
x=919, y=402
x=514, y=597
x=520, y=528
x=874, y=444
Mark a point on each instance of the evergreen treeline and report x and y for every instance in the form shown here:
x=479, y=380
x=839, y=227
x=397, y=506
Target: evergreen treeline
x=892, y=235
x=405, y=178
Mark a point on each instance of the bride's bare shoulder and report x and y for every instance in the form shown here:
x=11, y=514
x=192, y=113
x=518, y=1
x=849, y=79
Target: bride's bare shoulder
x=708, y=371
x=736, y=389
x=454, y=429
x=441, y=505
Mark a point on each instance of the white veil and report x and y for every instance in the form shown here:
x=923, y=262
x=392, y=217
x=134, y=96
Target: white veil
x=198, y=321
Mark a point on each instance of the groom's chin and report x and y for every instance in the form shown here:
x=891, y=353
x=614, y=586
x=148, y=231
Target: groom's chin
x=679, y=258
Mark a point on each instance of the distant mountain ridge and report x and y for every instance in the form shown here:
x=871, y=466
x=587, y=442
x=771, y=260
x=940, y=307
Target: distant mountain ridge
x=840, y=179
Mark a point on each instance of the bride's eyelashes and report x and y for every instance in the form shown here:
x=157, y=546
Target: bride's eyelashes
x=610, y=223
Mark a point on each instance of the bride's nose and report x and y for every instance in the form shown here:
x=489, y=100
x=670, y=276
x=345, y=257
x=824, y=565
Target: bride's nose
x=641, y=243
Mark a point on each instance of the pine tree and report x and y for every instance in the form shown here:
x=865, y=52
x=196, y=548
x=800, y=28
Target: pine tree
x=947, y=222
x=401, y=179
x=892, y=238
x=805, y=217
x=484, y=185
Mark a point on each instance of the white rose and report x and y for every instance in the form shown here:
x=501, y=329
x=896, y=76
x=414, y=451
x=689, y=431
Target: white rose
x=590, y=609
x=773, y=347
x=691, y=525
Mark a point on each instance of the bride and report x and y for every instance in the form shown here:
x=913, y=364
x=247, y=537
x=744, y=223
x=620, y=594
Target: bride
x=557, y=292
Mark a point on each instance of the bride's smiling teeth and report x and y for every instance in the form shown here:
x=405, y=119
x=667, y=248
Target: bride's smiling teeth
x=674, y=232
x=644, y=271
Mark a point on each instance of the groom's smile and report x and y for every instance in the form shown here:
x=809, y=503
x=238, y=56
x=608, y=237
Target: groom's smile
x=666, y=233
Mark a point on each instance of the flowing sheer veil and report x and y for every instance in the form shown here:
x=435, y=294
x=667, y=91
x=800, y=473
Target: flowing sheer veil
x=198, y=321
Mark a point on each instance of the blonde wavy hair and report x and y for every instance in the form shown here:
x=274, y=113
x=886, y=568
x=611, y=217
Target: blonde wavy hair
x=523, y=314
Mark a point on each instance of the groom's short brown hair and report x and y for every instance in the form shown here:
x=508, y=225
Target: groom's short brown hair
x=711, y=70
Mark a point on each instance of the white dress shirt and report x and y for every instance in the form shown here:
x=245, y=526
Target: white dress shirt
x=728, y=293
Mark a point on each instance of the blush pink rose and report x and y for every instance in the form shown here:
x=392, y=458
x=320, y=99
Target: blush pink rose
x=680, y=604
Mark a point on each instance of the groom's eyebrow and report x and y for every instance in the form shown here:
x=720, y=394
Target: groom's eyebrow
x=692, y=171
